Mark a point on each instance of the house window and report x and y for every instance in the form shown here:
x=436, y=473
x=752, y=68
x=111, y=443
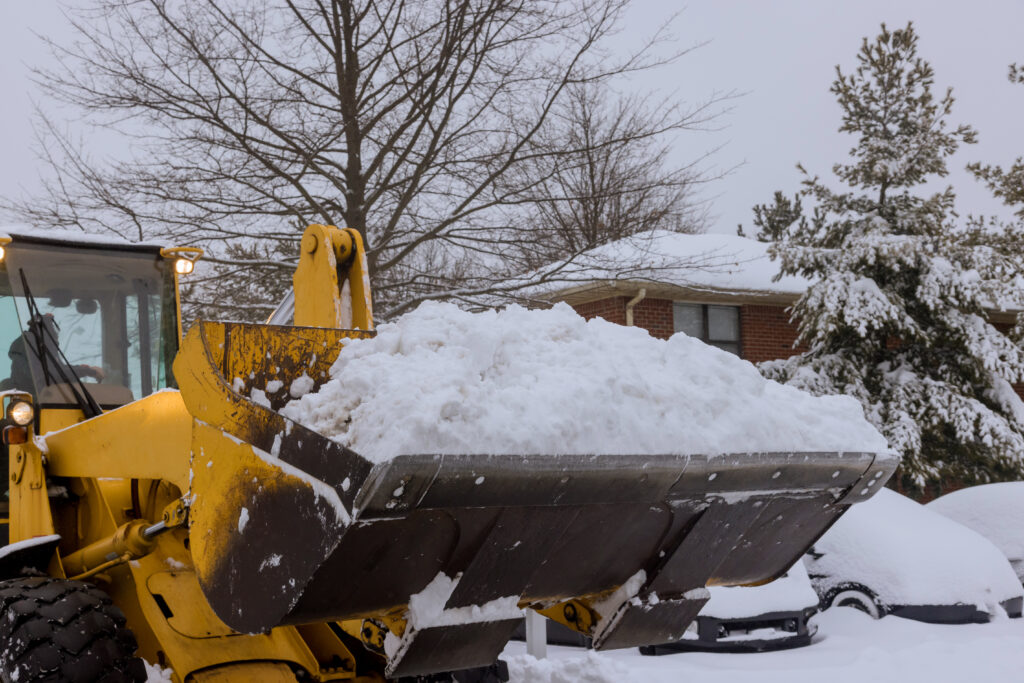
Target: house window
x=715, y=325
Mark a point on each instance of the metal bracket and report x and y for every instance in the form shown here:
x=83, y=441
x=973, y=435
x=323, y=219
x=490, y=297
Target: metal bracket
x=175, y=514
x=19, y=471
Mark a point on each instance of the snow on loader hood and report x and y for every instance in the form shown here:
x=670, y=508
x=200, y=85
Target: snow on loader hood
x=534, y=382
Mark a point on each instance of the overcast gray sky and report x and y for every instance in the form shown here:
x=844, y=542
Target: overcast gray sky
x=781, y=54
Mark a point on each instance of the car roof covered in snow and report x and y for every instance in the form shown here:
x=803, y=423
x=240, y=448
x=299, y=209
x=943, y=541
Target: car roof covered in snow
x=996, y=511
x=911, y=555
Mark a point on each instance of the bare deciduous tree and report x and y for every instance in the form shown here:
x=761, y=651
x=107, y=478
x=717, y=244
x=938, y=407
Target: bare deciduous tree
x=437, y=128
x=618, y=180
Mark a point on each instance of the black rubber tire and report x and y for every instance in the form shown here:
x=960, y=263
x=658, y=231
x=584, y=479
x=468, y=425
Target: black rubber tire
x=59, y=630
x=858, y=597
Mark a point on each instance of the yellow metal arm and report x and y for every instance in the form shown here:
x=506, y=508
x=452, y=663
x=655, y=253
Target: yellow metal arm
x=147, y=439
x=331, y=282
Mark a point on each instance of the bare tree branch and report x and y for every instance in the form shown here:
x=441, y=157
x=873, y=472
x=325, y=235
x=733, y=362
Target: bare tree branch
x=469, y=141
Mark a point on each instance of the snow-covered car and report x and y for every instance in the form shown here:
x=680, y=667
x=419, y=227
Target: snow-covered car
x=891, y=555
x=996, y=511
x=773, y=616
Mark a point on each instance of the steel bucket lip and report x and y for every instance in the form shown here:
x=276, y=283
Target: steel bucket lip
x=426, y=481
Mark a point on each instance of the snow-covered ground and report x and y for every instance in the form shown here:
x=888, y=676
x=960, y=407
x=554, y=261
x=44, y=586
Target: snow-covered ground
x=850, y=648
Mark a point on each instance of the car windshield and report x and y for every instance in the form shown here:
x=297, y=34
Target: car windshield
x=112, y=314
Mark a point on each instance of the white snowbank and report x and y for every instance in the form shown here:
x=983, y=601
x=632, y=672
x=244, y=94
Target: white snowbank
x=789, y=593
x=590, y=667
x=850, y=647
x=910, y=555
x=996, y=511
x=534, y=382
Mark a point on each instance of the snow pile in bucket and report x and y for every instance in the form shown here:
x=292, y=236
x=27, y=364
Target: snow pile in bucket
x=531, y=382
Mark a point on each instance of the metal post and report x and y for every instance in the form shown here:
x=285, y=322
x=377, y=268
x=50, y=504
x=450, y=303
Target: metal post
x=536, y=634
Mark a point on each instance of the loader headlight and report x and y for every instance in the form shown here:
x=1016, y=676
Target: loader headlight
x=20, y=413
x=183, y=266
x=3, y=252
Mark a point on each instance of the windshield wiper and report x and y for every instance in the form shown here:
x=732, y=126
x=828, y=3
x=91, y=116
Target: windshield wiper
x=47, y=350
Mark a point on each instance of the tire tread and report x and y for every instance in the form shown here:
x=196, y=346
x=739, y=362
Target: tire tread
x=64, y=631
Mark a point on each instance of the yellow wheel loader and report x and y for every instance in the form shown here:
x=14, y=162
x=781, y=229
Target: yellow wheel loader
x=154, y=509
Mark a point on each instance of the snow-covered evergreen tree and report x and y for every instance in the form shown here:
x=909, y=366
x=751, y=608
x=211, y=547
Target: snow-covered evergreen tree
x=897, y=316
x=773, y=220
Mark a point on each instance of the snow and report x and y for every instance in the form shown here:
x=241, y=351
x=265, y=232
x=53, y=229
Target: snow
x=850, y=647
x=547, y=382
x=259, y=397
x=274, y=560
x=910, y=555
x=627, y=591
x=727, y=264
x=243, y=519
x=789, y=593
x=590, y=667
x=427, y=608
x=301, y=385
x=996, y=511
x=27, y=543
x=156, y=674
x=73, y=236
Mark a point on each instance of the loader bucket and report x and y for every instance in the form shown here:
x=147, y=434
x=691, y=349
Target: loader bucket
x=289, y=527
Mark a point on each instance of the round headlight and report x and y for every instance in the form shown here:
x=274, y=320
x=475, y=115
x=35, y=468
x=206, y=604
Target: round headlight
x=21, y=413
x=183, y=266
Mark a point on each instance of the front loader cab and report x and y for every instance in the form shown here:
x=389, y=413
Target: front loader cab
x=86, y=324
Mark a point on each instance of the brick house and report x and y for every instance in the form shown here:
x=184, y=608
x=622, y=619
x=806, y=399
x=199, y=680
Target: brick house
x=731, y=301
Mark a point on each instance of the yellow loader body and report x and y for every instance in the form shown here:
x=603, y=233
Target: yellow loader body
x=241, y=545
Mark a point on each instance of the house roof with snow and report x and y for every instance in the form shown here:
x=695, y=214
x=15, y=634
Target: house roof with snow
x=708, y=267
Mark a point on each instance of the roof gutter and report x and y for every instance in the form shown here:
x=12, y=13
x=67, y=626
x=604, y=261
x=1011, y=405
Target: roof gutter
x=633, y=302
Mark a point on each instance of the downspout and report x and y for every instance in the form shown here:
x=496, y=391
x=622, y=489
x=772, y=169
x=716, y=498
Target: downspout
x=633, y=302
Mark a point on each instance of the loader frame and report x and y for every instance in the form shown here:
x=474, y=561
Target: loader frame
x=175, y=505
